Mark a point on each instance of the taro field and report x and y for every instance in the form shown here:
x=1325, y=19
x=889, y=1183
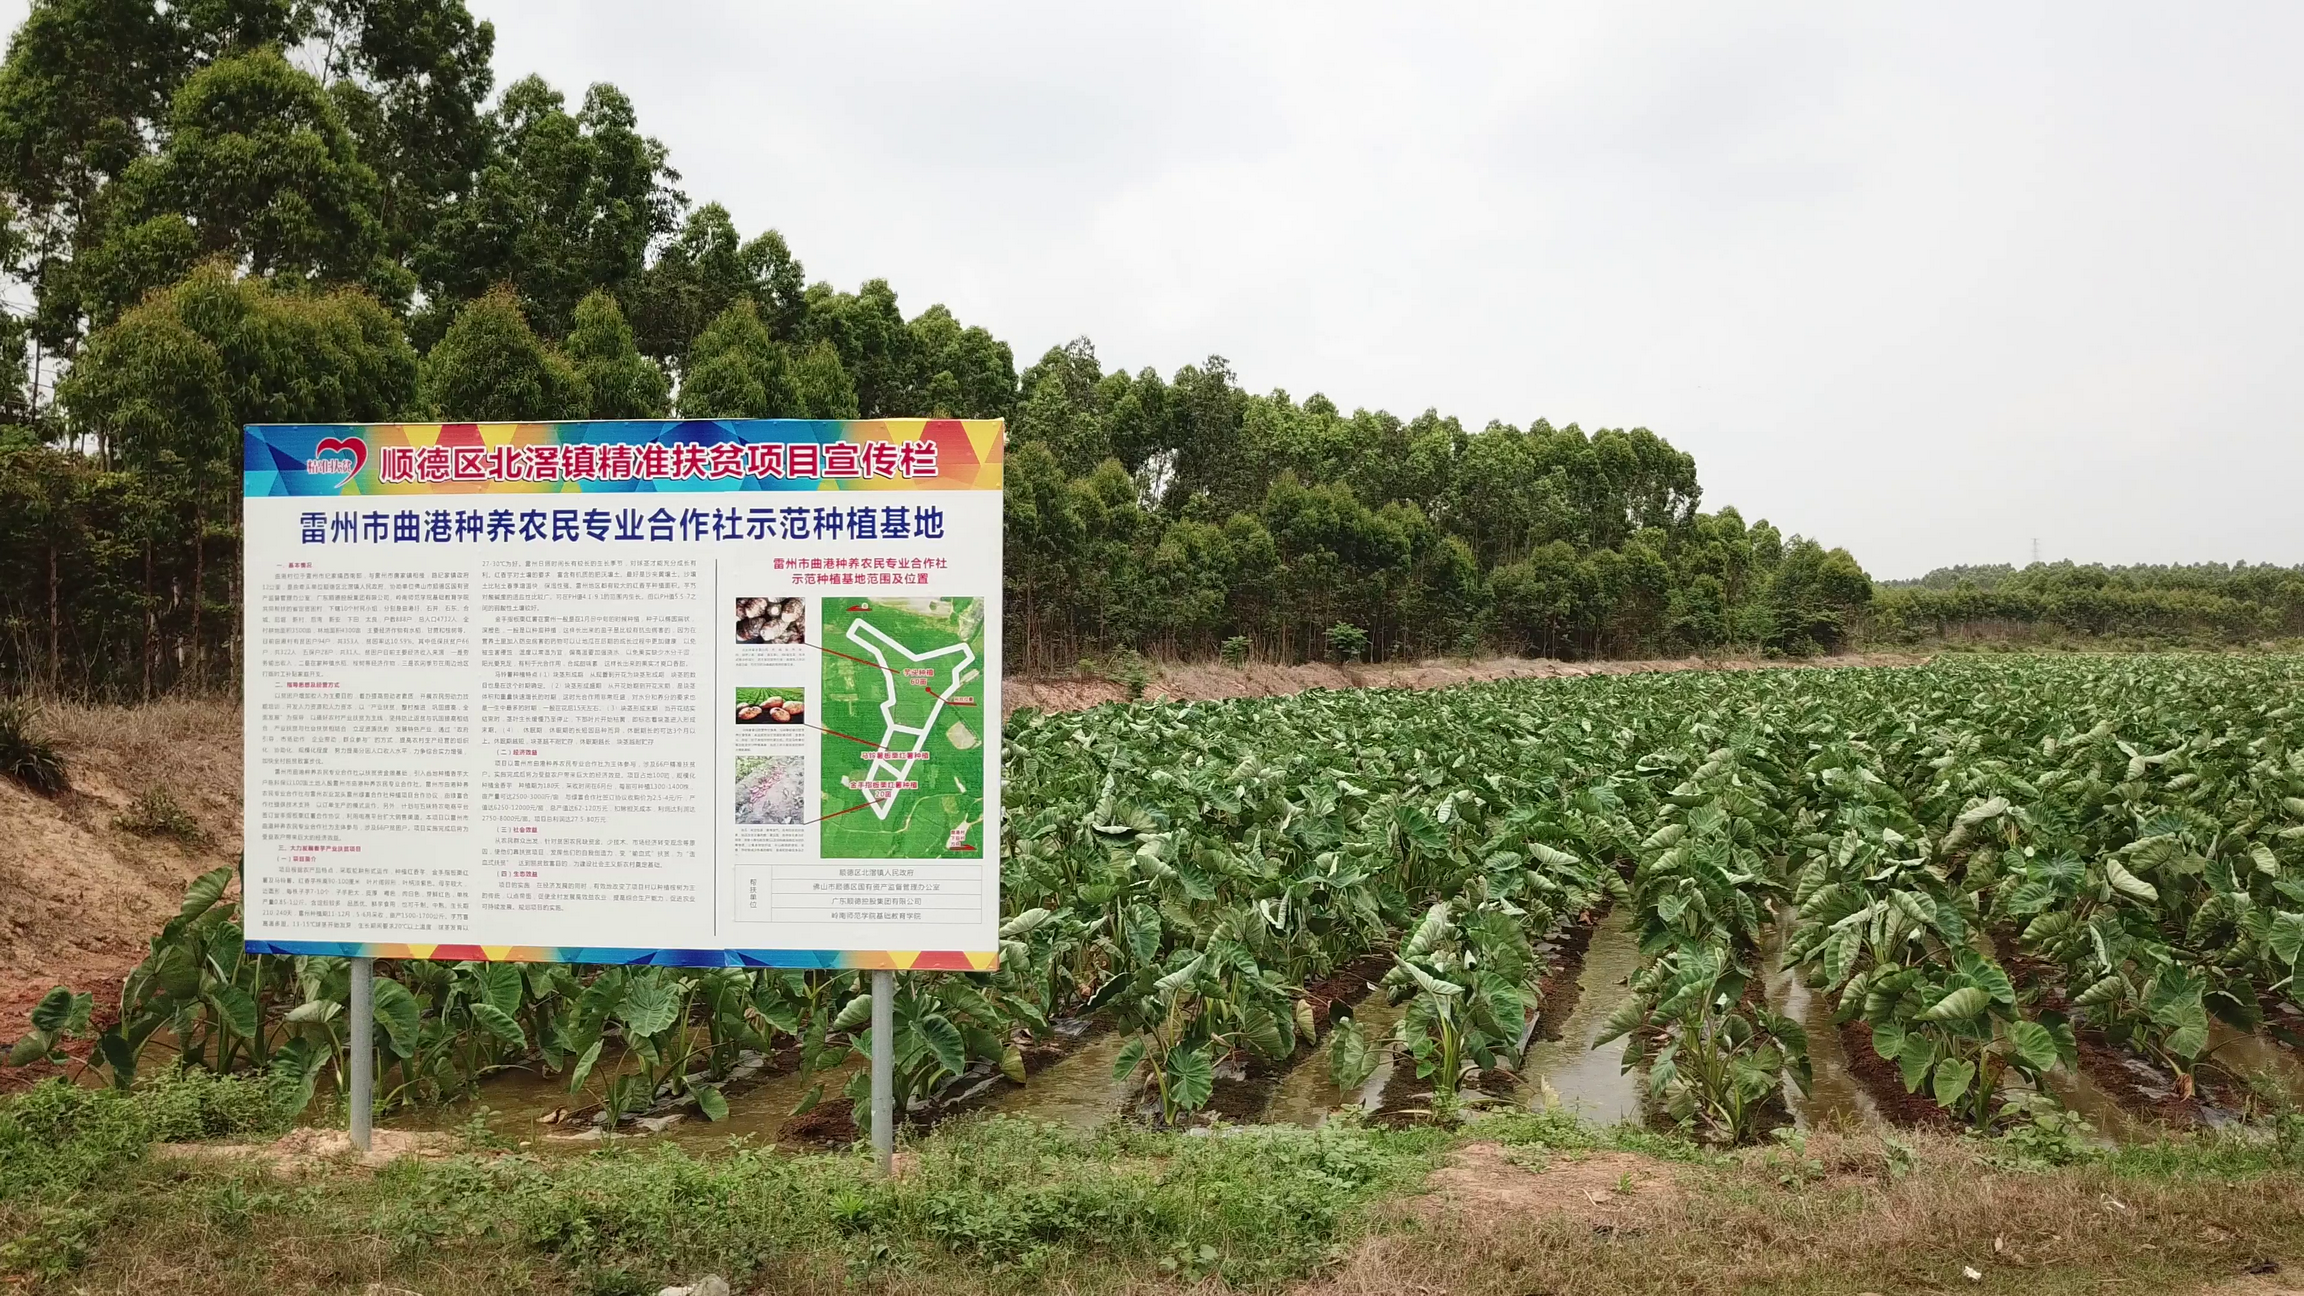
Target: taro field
x=1990, y=882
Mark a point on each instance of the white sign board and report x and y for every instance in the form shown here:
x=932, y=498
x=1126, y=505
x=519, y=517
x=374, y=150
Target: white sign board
x=703, y=692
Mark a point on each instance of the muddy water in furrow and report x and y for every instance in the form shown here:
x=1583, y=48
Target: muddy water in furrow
x=1586, y=1081
x=1835, y=1097
x=2258, y=1062
x=1308, y=1093
x=517, y=1101
x=1076, y=1090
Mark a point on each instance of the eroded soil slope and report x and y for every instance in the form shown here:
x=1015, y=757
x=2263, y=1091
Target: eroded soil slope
x=82, y=897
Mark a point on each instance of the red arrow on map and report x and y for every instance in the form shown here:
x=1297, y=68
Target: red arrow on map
x=859, y=607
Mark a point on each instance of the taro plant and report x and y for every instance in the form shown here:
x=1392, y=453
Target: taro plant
x=1714, y=1062
x=1958, y=1031
x=1465, y=986
x=948, y=1030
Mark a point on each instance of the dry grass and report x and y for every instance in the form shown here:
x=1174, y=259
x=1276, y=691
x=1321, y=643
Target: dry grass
x=1191, y=681
x=1838, y=1220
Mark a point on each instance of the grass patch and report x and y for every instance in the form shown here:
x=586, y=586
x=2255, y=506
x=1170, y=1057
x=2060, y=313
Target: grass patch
x=154, y=813
x=997, y=1204
x=1004, y=1204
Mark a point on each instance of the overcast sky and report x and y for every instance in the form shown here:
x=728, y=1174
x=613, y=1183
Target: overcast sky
x=1930, y=282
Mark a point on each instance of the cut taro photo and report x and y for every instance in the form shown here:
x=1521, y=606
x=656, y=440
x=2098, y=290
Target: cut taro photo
x=768, y=789
x=771, y=620
x=771, y=705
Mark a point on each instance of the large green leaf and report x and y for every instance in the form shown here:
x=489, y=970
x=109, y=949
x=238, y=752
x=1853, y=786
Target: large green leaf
x=398, y=1015
x=53, y=1011
x=1351, y=1060
x=1953, y=1076
x=2103, y=991
x=585, y=1061
x=235, y=1009
x=502, y=986
x=2033, y=1043
x=651, y=1004
x=1191, y=1077
x=1624, y=1020
x=2286, y=940
x=942, y=1040
x=500, y=1024
x=711, y=1102
x=1131, y=1056
x=33, y=1046
x=1967, y=1001
x=2128, y=884
x=204, y=892
x=854, y=1015
x=1262, y=1031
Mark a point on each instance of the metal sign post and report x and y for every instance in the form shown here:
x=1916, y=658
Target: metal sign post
x=884, y=1070
x=363, y=1048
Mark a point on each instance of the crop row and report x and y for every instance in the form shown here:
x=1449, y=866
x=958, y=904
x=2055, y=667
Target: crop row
x=2127, y=829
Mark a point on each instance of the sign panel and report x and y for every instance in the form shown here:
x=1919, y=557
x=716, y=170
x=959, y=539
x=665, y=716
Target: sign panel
x=702, y=692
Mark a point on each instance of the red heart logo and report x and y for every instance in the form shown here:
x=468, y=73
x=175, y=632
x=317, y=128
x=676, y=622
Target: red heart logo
x=353, y=446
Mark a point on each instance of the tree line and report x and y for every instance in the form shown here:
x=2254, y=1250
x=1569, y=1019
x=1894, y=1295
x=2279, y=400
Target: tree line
x=324, y=211
x=2206, y=604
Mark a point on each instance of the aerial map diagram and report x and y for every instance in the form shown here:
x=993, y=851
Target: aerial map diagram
x=902, y=674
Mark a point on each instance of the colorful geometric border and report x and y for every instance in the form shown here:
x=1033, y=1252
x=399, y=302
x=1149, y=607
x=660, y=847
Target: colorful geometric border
x=826, y=960
x=274, y=455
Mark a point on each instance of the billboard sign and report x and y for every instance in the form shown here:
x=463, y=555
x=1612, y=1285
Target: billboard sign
x=681, y=692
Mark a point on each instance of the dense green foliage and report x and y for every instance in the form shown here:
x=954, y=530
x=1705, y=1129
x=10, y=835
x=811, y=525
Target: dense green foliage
x=1182, y=872
x=216, y=232
x=2201, y=603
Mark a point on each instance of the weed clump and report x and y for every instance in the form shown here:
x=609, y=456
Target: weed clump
x=26, y=754
x=155, y=813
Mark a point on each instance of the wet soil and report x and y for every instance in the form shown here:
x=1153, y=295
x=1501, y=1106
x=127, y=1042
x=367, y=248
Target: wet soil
x=1347, y=985
x=1884, y=1082
x=1557, y=993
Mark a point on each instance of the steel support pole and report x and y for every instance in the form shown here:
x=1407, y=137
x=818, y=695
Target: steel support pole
x=884, y=1070
x=363, y=1048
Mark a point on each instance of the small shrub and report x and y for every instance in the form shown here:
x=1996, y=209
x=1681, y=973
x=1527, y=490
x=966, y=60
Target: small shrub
x=26, y=755
x=2041, y=1132
x=1234, y=651
x=1347, y=642
x=156, y=814
x=1468, y=644
x=1129, y=669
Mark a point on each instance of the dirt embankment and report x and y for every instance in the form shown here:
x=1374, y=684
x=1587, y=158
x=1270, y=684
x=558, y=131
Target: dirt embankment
x=1186, y=681
x=83, y=896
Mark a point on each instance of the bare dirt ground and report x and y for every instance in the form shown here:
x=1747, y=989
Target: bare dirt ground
x=303, y=1151
x=83, y=897
x=1194, y=681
